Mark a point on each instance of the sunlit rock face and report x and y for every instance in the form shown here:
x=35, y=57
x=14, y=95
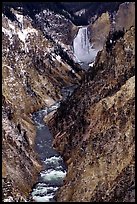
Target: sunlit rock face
x=99, y=30
x=34, y=70
x=125, y=16
x=101, y=25
x=95, y=129
x=82, y=48
x=36, y=64
x=20, y=164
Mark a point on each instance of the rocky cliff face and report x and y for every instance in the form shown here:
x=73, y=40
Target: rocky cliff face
x=125, y=16
x=94, y=130
x=99, y=30
x=58, y=27
x=20, y=164
x=83, y=13
x=105, y=23
x=35, y=68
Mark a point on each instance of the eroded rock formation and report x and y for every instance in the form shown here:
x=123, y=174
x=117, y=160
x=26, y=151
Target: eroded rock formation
x=34, y=70
x=94, y=129
x=99, y=30
x=108, y=22
x=125, y=16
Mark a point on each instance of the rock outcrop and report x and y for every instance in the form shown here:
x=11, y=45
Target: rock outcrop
x=58, y=27
x=83, y=13
x=125, y=16
x=99, y=30
x=34, y=71
x=20, y=164
x=102, y=25
x=94, y=129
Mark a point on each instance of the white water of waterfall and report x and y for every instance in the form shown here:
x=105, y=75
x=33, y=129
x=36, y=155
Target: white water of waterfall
x=83, y=50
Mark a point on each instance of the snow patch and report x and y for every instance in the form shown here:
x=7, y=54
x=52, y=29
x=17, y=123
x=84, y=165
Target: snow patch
x=58, y=58
x=91, y=64
x=7, y=32
x=23, y=34
x=11, y=26
x=81, y=12
x=9, y=199
x=73, y=71
x=19, y=18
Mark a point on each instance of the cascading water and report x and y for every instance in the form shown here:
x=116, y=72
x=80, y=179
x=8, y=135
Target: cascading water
x=51, y=178
x=54, y=169
x=83, y=50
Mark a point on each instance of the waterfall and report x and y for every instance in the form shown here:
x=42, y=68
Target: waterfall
x=83, y=51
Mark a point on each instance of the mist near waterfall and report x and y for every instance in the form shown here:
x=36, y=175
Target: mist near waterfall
x=83, y=50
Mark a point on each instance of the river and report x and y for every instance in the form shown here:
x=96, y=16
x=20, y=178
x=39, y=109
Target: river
x=51, y=178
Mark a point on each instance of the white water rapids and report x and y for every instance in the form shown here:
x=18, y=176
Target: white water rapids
x=83, y=50
x=51, y=177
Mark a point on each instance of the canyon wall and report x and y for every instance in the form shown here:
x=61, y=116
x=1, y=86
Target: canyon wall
x=94, y=129
x=105, y=23
x=125, y=16
x=35, y=68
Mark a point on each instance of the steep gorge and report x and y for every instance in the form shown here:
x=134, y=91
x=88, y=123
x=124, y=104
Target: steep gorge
x=34, y=70
x=94, y=127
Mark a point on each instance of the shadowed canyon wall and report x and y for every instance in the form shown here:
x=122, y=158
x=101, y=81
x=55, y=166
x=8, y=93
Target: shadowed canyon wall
x=34, y=70
x=94, y=129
